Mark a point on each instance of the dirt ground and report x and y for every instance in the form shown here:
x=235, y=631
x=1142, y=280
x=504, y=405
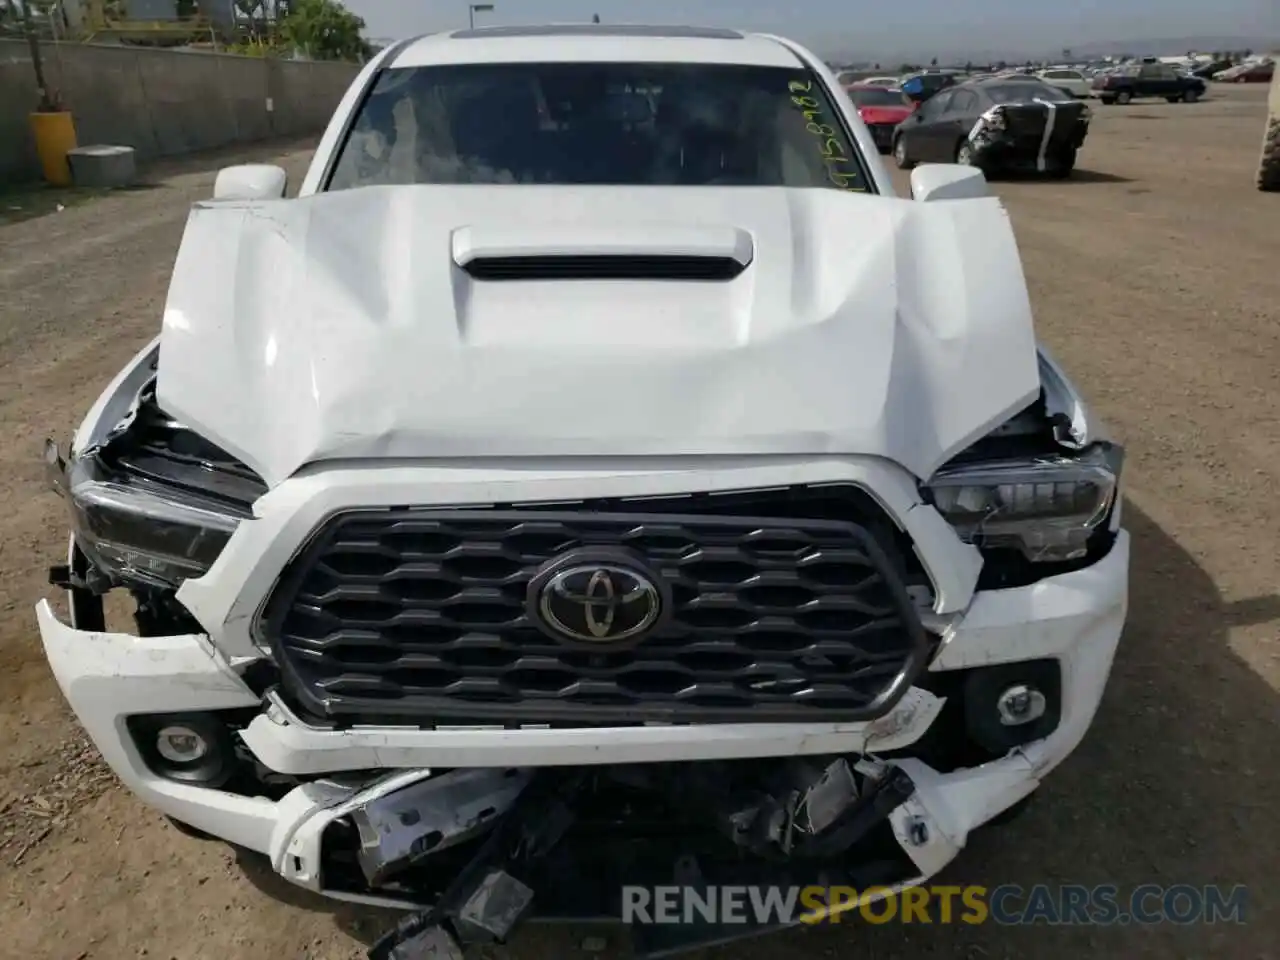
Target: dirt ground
x=1155, y=273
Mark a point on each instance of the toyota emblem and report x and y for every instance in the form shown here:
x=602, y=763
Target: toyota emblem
x=596, y=599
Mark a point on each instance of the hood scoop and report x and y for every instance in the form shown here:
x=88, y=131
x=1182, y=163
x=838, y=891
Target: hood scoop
x=660, y=253
x=605, y=267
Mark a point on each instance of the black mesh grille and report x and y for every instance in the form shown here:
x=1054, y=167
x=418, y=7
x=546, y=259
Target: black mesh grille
x=420, y=616
x=605, y=267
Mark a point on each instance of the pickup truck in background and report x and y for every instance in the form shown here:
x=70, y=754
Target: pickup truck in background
x=1148, y=80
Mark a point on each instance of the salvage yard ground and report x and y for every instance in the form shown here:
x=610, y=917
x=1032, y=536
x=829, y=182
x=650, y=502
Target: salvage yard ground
x=1155, y=274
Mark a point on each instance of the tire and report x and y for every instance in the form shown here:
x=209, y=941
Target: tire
x=1269, y=163
x=900, y=154
x=1191, y=96
x=964, y=154
x=1123, y=97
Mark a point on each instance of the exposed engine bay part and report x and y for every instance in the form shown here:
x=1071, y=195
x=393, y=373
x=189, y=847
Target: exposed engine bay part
x=400, y=828
x=785, y=811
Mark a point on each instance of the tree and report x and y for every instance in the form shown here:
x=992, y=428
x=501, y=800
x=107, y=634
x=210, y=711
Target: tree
x=324, y=30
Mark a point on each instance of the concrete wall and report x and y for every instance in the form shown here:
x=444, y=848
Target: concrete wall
x=163, y=102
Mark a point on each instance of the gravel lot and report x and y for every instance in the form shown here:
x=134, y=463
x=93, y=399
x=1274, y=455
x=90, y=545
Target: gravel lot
x=1155, y=273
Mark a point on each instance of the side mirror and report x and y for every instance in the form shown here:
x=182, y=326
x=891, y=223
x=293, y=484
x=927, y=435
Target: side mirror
x=250, y=181
x=945, y=181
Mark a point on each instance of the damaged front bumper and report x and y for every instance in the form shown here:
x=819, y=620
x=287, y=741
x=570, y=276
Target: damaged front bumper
x=366, y=807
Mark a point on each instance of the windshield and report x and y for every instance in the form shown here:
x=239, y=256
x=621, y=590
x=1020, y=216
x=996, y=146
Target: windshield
x=1022, y=92
x=876, y=97
x=598, y=123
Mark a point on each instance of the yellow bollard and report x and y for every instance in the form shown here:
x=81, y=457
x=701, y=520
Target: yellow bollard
x=55, y=136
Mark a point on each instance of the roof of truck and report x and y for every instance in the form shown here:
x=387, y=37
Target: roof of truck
x=595, y=42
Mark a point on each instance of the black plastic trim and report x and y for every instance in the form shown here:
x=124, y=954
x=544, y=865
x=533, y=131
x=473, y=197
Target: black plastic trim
x=916, y=649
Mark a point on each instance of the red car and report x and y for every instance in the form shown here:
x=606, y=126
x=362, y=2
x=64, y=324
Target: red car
x=1258, y=73
x=881, y=109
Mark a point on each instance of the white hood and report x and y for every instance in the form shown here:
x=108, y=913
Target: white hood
x=342, y=326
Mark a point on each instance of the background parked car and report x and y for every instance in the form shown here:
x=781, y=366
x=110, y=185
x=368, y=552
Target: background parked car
x=1259, y=71
x=929, y=83
x=1148, y=80
x=1207, y=71
x=1069, y=80
x=881, y=109
x=996, y=125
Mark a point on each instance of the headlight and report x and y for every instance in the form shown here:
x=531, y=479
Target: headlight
x=1046, y=507
x=152, y=502
x=144, y=533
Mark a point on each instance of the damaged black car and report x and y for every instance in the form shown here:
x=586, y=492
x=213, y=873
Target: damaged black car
x=999, y=125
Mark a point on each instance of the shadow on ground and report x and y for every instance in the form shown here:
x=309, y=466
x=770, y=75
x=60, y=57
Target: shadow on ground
x=1168, y=787
x=1095, y=176
x=1077, y=176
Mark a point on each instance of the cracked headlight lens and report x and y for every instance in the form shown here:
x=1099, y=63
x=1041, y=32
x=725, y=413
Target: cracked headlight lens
x=145, y=533
x=1047, y=507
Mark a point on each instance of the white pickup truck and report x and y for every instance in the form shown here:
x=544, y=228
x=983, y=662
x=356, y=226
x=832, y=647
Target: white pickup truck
x=595, y=472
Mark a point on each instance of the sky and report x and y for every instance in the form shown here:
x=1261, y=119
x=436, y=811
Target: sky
x=859, y=28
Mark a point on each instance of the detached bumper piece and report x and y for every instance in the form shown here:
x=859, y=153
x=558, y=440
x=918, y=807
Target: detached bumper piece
x=560, y=844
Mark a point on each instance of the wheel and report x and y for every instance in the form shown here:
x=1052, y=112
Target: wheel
x=900, y=154
x=964, y=154
x=1123, y=97
x=1191, y=96
x=1269, y=164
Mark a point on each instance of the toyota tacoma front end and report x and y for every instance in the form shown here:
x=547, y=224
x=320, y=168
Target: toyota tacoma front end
x=506, y=536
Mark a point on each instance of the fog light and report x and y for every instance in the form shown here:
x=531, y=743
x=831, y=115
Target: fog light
x=194, y=748
x=1020, y=704
x=179, y=744
x=1012, y=704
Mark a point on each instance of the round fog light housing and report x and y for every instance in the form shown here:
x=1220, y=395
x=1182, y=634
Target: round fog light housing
x=180, y=744
x=194, y=748
x=1020, y=704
